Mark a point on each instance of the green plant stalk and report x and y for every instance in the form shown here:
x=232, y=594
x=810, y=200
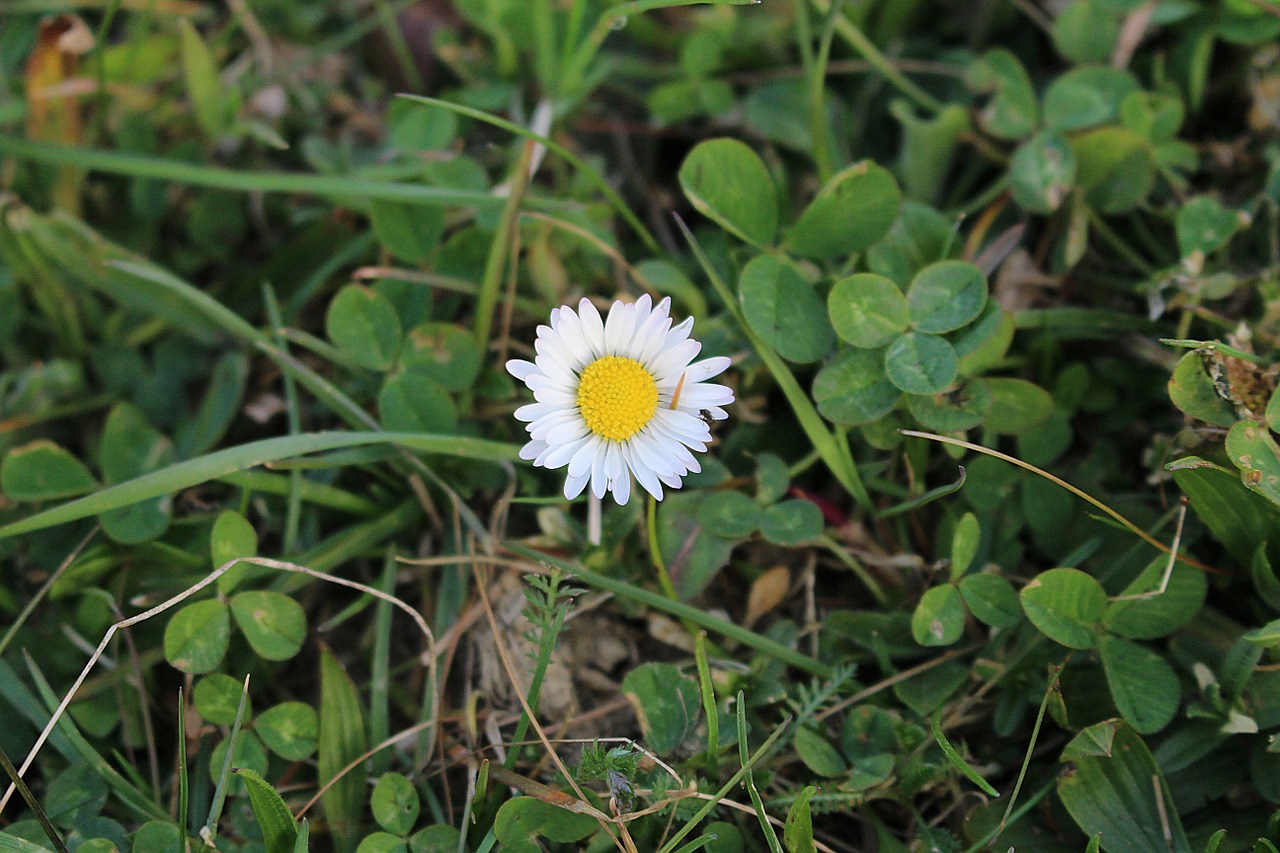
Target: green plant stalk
x=1016, y=815
x=572, y=33
x=44, y=590
x=354, y=541
x=293, y=507
x=679, y=609
x=32, y=803
x=209, y=832
x=48, y=291
x=770, y=836
x=858, y=40
x=338, y=402
x=140, y=166
x=709, y=707
x=1122, y=247
x=102, y=99
x=399, y=47
x=379, y=669
x=501, y=249
x=353, y=251
x=817, y=72
x=872, y=585
x=605, y=24
x=711, y=804
x=184, y=787
x=655, y=553
x=57, y=412
x=1026, y=760
x=544, y=44
x=591, y=174
x=824, y=441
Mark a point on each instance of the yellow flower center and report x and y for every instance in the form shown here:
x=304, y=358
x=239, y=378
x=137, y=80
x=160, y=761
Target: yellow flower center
x=617, y=397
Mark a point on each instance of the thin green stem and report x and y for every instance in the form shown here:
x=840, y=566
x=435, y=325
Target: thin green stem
x=1115, y=241
x=500, y=250
x=858, y=40
x=608, y=22
x=1031, y=747
x=770, y=836
x=293, y=507
x=817, y=71
x=591, y=174
x=714, y=801
x=399, y=47
x=655, y=553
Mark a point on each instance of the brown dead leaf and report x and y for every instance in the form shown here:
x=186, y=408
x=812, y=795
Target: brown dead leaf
x=53, y=111
x=767, y=592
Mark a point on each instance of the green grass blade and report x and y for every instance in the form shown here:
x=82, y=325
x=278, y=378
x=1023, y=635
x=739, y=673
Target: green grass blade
x=380, y=667
x=769, y=835
x=342, y=741
x=184, y=787
x=709, y=708
x=210, y=830
x=956, y=759
x=32, y=803
x=125, y=792
x=328, y=186
x=811, y=422
x=232, y=459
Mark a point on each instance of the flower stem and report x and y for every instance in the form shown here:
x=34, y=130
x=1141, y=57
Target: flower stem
x=655, y=554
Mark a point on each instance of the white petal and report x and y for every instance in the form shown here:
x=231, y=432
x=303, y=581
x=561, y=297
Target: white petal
x=619, y=328
x=567, y=431
x=644, y=474
x=599, y=482
x=622, y=488
x=702, y=395
x=671, y=480
x=668, y=366
x=580, y=464
x=541, y=428
x=592, y=325
x=575, y=340
x=556, y=396
x=531, y=450
x=519, y=368
x=560, y=455
x=708, y=367
x=573, y=486
x=683, y=424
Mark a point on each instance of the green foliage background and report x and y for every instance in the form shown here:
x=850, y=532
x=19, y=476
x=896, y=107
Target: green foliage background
x=983, y=559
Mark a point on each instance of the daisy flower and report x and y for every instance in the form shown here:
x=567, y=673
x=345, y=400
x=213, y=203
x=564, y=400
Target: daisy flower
x=619, y=398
